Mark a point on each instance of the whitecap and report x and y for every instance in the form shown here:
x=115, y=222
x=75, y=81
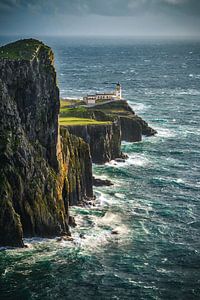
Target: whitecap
x=102, y=199
x=192, y=92
x=164, y=132
x=119, y=195
x=138, y=160
x=138, y=107
x=133, y=160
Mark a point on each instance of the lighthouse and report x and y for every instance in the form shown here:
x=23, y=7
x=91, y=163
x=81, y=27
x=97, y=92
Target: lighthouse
x=118, y=91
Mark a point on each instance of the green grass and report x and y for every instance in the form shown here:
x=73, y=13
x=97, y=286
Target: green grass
x=98, y=115
x=117, y=108
x=70, y=102
x=74, y=121
x=77, y=112
x=23, y=49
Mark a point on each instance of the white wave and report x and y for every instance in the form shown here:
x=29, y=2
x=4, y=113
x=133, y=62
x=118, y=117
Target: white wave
x=138, y=160
x=192, y=92
x=103, y=200
x=31, y=242
x=115, y=164
x=133, y=160
x=119, y=195
x=36, y=240
x=94, y=241
x=138, y=107
x=164, y=132
x=103, y=177
x=124, y=143
x=144, y=228
x=196, y=76
x=104, y=229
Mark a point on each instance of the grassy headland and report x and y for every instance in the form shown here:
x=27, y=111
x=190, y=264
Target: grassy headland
x=80, y=115
x=23, y=49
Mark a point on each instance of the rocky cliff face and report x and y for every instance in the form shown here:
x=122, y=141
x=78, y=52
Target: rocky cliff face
x=76, y=156
x=104, y=140
x=41, y=173
x=133, y=127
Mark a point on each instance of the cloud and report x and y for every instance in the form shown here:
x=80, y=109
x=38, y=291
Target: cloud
x=101, y=7
x=100, y=16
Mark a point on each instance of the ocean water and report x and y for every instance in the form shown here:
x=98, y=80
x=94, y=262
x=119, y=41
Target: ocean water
x=154, y=204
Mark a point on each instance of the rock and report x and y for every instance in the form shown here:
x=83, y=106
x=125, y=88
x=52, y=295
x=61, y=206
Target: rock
x=72, y=221
x=114, y=231
x=82, y=236
x=68, y=238
x=101, y=182
x=104, y=140
x=59, y=239
x=121, y=160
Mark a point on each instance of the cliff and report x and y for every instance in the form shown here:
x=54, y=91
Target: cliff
x=104, y=140
x=41, y=171
x=104, y=126
x=132, y=126
x=77, y=158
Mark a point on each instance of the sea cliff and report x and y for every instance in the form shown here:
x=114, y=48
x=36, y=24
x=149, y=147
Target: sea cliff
x=46, y=160
x=41, y=171
x=120, y=124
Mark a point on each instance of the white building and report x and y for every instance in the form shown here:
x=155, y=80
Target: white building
x=116, y=95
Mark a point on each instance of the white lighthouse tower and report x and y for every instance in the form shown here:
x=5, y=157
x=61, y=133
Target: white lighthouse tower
x=118, y=91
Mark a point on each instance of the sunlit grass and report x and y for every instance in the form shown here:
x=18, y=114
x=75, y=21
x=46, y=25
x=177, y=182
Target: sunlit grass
x=72, y=121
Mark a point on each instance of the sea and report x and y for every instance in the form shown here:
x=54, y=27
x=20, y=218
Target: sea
x=154, y=204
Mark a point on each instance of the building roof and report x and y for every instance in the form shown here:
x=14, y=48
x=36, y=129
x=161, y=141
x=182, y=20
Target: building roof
x=103, y=94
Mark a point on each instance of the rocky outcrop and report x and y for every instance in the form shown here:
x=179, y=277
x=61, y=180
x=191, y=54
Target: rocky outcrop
x=101, y=182
x=134, y=127
x=104, y=140
x=131, y=129
x=41, y=173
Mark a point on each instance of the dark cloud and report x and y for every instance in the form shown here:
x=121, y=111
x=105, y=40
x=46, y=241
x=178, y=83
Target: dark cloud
x=38, y=15
x=101, y=7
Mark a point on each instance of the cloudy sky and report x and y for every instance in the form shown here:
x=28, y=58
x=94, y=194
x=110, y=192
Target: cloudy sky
x=100, y=17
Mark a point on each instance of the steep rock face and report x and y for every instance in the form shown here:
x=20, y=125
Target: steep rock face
x=36, y=178
x=76, y=155
x=104, y=140
x=146, y=129
x=131, y=129
x=31, y=85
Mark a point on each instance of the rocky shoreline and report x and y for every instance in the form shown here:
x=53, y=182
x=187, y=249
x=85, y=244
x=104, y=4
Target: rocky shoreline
x=46, y=168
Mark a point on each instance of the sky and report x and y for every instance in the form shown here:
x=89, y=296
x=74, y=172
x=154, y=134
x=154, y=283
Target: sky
x=100, y=17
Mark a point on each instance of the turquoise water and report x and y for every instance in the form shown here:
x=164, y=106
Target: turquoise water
x=154, y=203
